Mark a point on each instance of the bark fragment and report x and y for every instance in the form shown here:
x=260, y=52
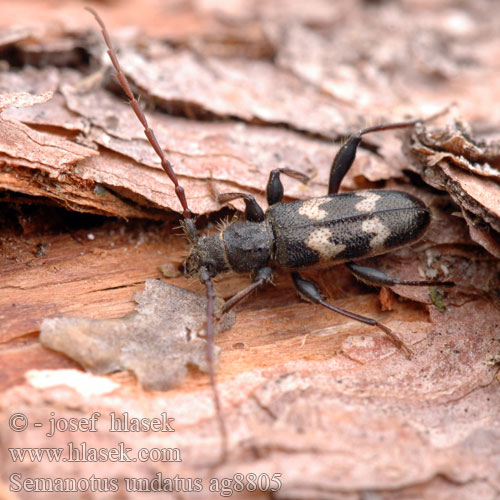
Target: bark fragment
x=157, y=341
x=469, y=170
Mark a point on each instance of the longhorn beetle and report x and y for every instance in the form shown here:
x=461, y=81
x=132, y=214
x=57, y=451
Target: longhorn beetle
x=333, y=229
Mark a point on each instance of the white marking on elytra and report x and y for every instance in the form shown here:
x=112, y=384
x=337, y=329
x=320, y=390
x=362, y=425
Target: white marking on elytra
x=311, y=208
x=375, y=225
x=319, y=240
x=368, y=203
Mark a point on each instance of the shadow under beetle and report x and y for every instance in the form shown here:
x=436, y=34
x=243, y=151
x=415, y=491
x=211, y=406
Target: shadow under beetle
x=320, y=232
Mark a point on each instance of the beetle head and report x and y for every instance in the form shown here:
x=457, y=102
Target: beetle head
x=207, y=254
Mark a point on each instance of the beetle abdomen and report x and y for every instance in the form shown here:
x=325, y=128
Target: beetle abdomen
x=345, y=226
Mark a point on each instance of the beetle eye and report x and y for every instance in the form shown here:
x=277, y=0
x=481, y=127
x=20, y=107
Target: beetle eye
x=191, y=264
x=211, y=268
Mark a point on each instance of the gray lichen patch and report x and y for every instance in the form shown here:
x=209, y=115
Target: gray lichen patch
x=156, y=341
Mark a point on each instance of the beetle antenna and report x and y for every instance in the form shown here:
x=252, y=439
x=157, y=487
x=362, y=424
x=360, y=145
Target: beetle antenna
x=187, y=224
x=167, y=166
x=210, y=360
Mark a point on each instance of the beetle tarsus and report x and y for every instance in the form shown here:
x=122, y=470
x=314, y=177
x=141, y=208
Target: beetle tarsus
x=310, y=291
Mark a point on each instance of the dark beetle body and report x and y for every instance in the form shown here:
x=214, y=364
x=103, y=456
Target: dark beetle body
x=337, y=228
x=316, y=232
x=343, y=227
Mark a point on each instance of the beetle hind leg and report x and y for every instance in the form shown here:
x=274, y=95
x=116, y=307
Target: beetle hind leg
x=347, y=153
x=310, y=291
x=373, y=276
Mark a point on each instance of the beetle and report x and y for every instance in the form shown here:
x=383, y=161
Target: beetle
x=319, y=232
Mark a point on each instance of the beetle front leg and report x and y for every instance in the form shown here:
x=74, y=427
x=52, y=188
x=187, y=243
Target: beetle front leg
x=309, y=291
x=260, y=277
x=274, y=189
x=373, y=276
x=347, y=153
x=253, y=211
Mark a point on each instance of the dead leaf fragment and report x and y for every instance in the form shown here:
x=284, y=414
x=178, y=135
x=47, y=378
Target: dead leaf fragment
x=156, y=341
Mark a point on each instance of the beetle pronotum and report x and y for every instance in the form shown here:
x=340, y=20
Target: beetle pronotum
x=334, y=229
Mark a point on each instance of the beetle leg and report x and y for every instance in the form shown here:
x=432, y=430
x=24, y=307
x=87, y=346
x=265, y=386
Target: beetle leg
x=309, y=291
x=261, y=276
x=347, y=153
x=274, y=189
x=342, y=163
x=373, y=276
x=253, y=211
